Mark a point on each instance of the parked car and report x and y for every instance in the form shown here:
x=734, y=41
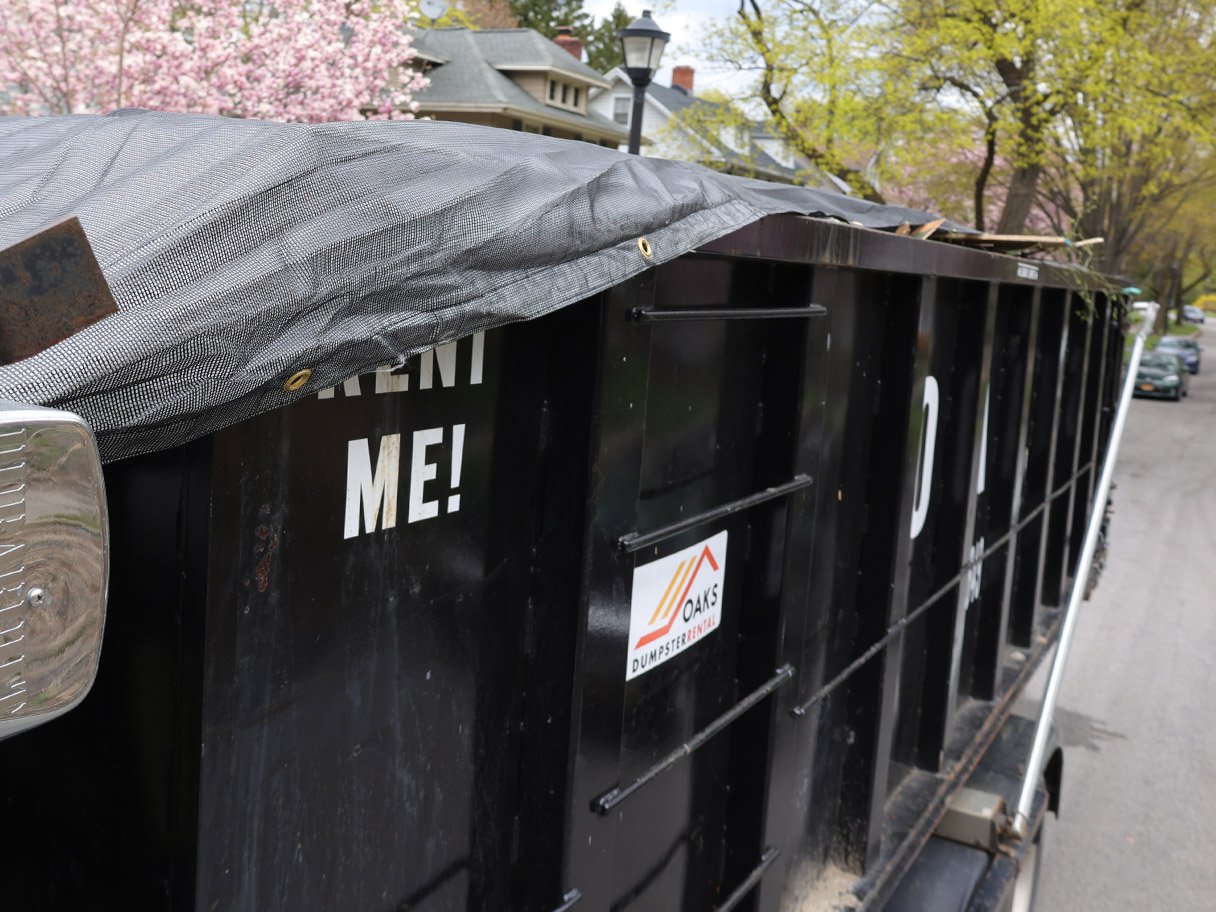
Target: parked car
x=1186, y=349
x=1161, y=376
x=1193, y=314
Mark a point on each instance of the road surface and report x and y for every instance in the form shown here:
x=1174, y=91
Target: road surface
x=1137, y=826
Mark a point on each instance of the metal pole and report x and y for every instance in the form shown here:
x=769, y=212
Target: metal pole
x=635, y=118
x=1042, y=731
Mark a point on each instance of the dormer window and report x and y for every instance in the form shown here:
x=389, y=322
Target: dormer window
x=566, y=95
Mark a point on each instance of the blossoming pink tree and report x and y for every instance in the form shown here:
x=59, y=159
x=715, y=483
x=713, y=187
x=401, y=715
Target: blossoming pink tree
x=301, y=60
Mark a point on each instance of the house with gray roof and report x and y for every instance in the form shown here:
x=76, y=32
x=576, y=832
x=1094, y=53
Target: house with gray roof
x=511, y=78
x=677, y=124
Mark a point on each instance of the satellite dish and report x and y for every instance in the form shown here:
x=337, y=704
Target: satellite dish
x=433, y=9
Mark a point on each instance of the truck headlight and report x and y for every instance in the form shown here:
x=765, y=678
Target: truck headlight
x=54, y=562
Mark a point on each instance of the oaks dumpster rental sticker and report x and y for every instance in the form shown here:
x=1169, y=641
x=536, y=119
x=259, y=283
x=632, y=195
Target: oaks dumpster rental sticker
x=677, y=600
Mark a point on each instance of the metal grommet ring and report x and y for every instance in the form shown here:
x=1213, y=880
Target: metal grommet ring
x=297, y=380
x=645, y=248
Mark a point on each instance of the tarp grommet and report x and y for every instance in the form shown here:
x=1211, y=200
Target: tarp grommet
x=645, y=248
x=297, y=380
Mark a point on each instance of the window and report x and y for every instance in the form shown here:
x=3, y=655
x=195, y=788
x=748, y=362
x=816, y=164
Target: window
x=565, y=93
x=620, y=109
x=577, y=92
x=552, y=90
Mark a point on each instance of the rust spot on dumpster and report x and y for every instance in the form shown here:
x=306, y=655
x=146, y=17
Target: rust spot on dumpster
x=51, y=287
x=267, y=545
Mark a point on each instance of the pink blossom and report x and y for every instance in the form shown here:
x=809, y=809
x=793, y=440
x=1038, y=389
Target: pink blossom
x=299, y=60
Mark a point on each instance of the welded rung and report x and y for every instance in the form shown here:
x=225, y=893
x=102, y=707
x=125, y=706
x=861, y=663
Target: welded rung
x=646, y=315
x=569, y=901
x=741, y=891
x=611, y=798
x=635, y=541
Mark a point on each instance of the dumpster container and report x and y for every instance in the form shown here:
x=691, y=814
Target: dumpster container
x=712, y=589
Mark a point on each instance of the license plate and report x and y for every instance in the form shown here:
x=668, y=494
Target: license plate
x=1146, y=386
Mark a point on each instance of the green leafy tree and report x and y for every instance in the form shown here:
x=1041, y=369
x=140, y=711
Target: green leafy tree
x=1096, y=115
x=475, y=14
x=1007, y=64
x=813, y=70
x=1084, y=117
x=602, y=43
x=546, y=16
x=1134, y=145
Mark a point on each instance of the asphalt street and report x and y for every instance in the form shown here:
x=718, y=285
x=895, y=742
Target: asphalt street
x=1137, y=825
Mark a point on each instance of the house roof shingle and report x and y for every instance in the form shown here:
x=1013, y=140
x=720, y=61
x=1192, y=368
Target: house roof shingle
x=676, y=101
x=756, y=159
x=504, y=48
x=476, y=67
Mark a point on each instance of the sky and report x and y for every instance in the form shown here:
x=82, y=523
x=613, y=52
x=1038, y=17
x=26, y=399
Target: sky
x=685, y=20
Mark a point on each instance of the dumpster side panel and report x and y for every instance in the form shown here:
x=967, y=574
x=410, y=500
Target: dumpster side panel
x=872, y=334
x=1091, y=414
x=1035, y=508
x=366, y=642
x=884, y=420
x=1056, y=569
x=945, y=494
x=987, y=624
x=939, y=593
x=708, y=435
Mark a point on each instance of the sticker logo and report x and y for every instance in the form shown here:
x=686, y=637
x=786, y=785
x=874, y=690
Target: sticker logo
x=677, y=600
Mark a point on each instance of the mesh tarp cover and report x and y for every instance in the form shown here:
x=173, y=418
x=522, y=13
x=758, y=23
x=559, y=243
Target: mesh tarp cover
x=241, y=251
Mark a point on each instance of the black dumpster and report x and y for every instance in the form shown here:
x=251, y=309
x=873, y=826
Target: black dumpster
x=709, y=591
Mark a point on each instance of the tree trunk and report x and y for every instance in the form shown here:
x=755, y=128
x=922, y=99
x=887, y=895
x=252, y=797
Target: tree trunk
x=1022, y=187
x=1177, y=289
x=1165, y=293
x=981, y=180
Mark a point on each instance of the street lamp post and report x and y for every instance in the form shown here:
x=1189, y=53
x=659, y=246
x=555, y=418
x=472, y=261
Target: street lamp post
x=642, y=46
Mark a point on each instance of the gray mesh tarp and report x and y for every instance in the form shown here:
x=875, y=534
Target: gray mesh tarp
x=242, y=251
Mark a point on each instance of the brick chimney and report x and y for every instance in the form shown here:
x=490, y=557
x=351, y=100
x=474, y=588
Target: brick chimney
x=567, y=42
x=681, y=78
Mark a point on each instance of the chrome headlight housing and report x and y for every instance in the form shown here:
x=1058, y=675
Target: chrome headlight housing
x=54, y=563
